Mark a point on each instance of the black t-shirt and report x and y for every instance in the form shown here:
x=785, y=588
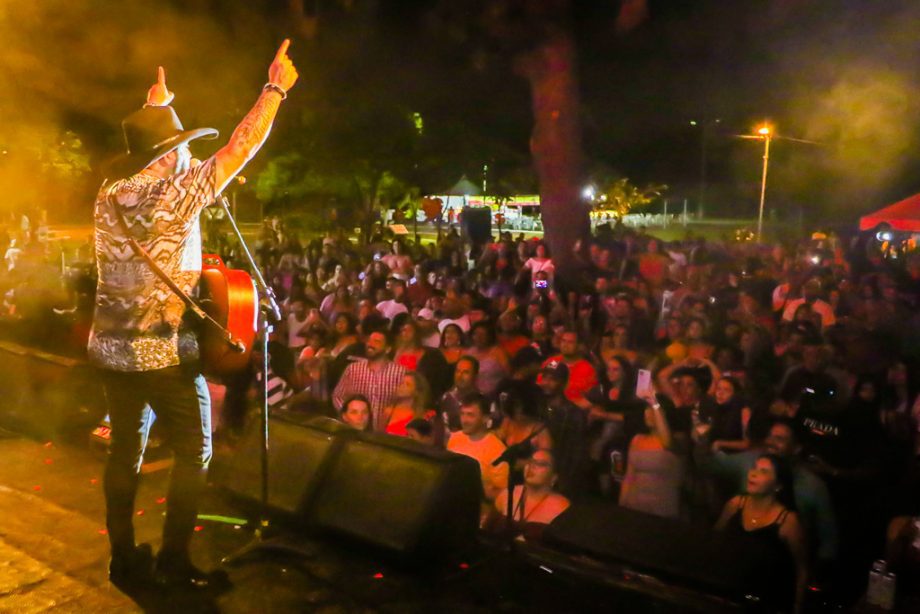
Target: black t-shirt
x=680, y=419
x=568, y=424
x=631, y=408
x=726, y=423
x=844, y=438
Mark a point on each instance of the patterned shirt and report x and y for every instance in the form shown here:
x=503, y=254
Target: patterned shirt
x=378, y=385
x=137, y=324
x=278, y=389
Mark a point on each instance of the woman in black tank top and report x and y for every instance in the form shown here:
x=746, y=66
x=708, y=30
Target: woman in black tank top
x=763, y=519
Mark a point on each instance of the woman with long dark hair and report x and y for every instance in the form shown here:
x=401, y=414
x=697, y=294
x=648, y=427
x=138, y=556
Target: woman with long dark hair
x=764, y=517
x=698, y=345
x=616, y=416
x=453, y=343
x=729, y=431
x=520, y=417
x=654, y=472
x=345, y=346
x=493, y=363
x=413, y=356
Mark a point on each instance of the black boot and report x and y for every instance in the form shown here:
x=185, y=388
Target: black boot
x=132, y=566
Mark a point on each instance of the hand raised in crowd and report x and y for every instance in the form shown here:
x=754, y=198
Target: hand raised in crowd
x=158, y=95
x=649, y=395
x=282, y=72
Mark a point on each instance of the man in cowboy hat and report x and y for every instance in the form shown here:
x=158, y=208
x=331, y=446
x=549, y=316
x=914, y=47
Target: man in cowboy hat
x=154, y=194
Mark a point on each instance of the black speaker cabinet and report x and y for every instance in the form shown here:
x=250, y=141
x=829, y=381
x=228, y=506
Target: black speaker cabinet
x=402, y=496
x=299, y=455
x=677, y=552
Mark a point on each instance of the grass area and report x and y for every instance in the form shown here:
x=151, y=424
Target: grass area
x=72, y=237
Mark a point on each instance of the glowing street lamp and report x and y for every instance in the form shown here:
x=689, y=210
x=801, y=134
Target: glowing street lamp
x=766, y=133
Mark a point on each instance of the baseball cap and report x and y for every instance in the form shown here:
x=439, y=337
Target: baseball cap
x=556, y=369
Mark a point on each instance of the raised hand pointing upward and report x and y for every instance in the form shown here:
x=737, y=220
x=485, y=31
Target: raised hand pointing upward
x=249, y=135
x=282, y=72
x=158, y=95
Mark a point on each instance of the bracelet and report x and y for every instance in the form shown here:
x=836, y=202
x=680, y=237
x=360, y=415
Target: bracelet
x=273, y=87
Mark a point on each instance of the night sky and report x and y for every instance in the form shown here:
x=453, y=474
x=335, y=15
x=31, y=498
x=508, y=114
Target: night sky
x=841, y=73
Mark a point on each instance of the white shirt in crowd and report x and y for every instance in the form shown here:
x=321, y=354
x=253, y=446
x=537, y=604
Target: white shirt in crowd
x=390, y=309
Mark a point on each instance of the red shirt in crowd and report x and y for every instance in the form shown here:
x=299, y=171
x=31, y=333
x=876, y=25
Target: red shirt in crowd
x=582, y=377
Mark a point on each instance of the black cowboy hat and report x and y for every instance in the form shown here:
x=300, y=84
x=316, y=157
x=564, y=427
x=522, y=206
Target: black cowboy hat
x=151, y=133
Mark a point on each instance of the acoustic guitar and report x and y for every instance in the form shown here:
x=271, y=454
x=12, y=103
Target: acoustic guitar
x=229, y=296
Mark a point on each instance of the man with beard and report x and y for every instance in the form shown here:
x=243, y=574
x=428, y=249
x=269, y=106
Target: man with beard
x=465, y=373
x=567, y=424
x=147, y=229
x=376, y=377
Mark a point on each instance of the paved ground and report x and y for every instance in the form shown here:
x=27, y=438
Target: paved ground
x=54, y=551
x=52, y=557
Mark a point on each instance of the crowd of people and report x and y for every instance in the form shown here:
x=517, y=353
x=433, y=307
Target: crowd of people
x=781, y=403
x=47, y=297
x=766, y=390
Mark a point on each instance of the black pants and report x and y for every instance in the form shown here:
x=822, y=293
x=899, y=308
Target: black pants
x=178, y=398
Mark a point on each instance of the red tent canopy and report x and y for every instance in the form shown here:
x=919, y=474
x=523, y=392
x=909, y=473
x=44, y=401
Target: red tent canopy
x=903, y=216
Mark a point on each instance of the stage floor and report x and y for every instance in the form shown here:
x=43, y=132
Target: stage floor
x=54, y=556
x=54, y=552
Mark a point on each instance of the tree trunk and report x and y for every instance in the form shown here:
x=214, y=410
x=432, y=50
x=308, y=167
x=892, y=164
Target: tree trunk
x=556, y=146
x=370, y=202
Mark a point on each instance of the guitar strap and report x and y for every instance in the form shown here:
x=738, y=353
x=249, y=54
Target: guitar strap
x=190, y=303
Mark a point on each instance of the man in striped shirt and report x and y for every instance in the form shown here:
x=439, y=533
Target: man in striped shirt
x=377, y=378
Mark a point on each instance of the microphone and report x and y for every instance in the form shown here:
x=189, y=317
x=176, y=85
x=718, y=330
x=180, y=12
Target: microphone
x=515, y=452
x=522, y=449
x=270, y=306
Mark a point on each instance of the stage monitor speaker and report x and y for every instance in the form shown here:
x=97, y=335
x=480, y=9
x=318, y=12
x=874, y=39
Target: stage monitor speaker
x=299, y=455
x=675, y=551
x=404, y=497
x=477, y=223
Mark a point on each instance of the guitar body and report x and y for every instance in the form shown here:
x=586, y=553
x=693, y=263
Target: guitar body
x=229, y=296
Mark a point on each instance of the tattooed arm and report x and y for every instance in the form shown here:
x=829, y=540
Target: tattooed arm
x=253, y=130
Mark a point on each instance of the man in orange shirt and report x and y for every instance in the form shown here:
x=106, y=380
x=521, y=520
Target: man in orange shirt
x=582, y=375
x=476, y=441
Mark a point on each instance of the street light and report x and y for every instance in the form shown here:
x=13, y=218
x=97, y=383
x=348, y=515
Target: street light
x=766, y=133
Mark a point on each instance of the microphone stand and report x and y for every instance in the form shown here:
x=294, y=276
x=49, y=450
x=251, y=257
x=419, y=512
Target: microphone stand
x=269, y=314
x=512, y=454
